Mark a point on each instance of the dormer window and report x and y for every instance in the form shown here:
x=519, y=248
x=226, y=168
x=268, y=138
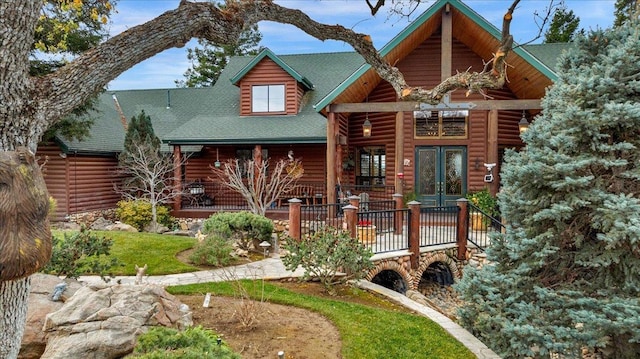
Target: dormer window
x=267, y=98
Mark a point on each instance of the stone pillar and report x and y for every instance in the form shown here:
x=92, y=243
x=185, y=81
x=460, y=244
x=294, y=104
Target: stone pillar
x=463, y=228
x=294, y=218
x=414, y=234
x=398, y=220
x=350, y=219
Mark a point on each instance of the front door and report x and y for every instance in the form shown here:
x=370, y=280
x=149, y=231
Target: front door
x=441, y=175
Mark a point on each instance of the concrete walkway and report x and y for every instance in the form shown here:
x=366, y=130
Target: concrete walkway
x=273, y=269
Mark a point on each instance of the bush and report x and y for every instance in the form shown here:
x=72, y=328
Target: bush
x=484, y=201
x=325, y=254
x=214, y=251
x=193, y=343
x=242, y=226
x=137, y=213
x=81, y=253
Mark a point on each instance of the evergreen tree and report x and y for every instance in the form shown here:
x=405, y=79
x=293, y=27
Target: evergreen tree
x=139, y=136
x=624, y=10
x=565, y=275
x=209, y=61
x=563, y=27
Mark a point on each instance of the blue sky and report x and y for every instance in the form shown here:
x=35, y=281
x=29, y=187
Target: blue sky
x=163, y=69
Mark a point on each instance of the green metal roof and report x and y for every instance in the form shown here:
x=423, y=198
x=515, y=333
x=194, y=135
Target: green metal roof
x=268, y=53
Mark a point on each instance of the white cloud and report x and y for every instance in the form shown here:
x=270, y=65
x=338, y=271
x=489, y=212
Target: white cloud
x=163, y=69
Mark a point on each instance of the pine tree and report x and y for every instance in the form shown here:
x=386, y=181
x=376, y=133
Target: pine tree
x=624, y=10
x=565, y=274
x=139, y=136
x=563, y=27
x=208, y=61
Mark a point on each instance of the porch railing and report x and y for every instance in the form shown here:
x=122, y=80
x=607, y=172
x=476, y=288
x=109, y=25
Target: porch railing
x=480, y=225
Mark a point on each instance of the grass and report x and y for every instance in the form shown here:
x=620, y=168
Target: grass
x=394, y=335
x=157, y=251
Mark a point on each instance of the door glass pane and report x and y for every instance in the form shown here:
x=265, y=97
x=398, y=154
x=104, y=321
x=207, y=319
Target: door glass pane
x=427, y=175
x=453, y=172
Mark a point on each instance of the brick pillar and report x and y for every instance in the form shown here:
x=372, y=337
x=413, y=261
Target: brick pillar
x=398, y=218
x=294, y=218
x=463, y=228
x=414, y=234
x=350, y=219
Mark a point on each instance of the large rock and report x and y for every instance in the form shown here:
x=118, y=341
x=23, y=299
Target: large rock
x=41, y=304
x=102, y=321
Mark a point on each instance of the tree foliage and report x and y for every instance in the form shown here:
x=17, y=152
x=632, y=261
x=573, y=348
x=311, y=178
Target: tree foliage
x=564, y=276
x=563, y=26
x=624, y=10
x=330, y=255
x=208, y=61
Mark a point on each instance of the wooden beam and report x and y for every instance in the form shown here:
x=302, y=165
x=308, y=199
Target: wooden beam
x=331, y=156
x=492, y=148
x=446, y=43
x=399, y=149
x=412, y=106
x=177, y=175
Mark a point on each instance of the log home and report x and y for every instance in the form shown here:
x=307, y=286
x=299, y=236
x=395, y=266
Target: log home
x=332, y=111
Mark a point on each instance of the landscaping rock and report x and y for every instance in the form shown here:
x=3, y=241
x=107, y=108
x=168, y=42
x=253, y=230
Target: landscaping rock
x=41, y=304
x=156, y=228
x=123, y=227
x=102, y=321
x=101, y=224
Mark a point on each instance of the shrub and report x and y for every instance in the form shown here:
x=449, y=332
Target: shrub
x=81, y=253
x=242, y=226
x=137, y=213
x=53, y=204
x=192, y=343
x=484, y=201
x=214, y=250
x=327, y=253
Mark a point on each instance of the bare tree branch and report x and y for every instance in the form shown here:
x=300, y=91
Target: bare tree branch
x=256, y=182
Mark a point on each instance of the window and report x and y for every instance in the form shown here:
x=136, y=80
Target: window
x=441, y=124
x=244, y=155
x=267, y=98
x=371, y=166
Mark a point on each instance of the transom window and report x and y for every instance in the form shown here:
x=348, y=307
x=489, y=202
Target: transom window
x=441, y=124
x=267, y=98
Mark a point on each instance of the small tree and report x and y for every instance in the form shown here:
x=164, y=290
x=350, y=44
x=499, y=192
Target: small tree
x=258, y=183
x=330, y=255
x=151, y=174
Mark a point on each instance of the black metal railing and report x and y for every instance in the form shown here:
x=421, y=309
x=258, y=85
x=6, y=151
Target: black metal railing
x=377, y=229
x=371, y=192
x=438, y=225
x=480, y=225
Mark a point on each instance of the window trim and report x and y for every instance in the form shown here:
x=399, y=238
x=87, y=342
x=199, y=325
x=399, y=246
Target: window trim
x=449, y=114
x=269, y=98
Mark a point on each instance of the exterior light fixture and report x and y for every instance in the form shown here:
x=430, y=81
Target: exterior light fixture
x=217, y=163
x=366, y=128
x=523, y=125
x=265, y=247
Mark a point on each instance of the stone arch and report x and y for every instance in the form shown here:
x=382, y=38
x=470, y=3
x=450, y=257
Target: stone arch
x=390, y=265
x=430, y=258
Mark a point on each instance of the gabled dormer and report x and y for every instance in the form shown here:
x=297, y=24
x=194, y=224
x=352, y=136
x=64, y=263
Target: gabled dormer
x=269, y=86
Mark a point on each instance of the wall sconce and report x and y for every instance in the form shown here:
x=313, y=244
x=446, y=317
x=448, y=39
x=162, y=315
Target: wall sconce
x=523, y=125
x=366, y=128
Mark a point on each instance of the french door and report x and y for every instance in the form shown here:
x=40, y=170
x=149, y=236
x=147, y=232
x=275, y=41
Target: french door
x=441, y=175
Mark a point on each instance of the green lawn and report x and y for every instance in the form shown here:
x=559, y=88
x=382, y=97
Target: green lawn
x=394, y=335
x=157, y=251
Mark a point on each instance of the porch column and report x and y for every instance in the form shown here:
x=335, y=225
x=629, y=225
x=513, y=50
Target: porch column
x=414, y=234
x=492, y=148
x=331, y=163
x=177, y=175
x=399, y=165
x=257, y=159
x=463, y=227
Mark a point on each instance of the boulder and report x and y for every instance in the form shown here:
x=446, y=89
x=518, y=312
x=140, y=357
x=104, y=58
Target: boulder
x=156, y=228
x=102, y=321
x=40, y=304
x=101, y=224
x=122, y=227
